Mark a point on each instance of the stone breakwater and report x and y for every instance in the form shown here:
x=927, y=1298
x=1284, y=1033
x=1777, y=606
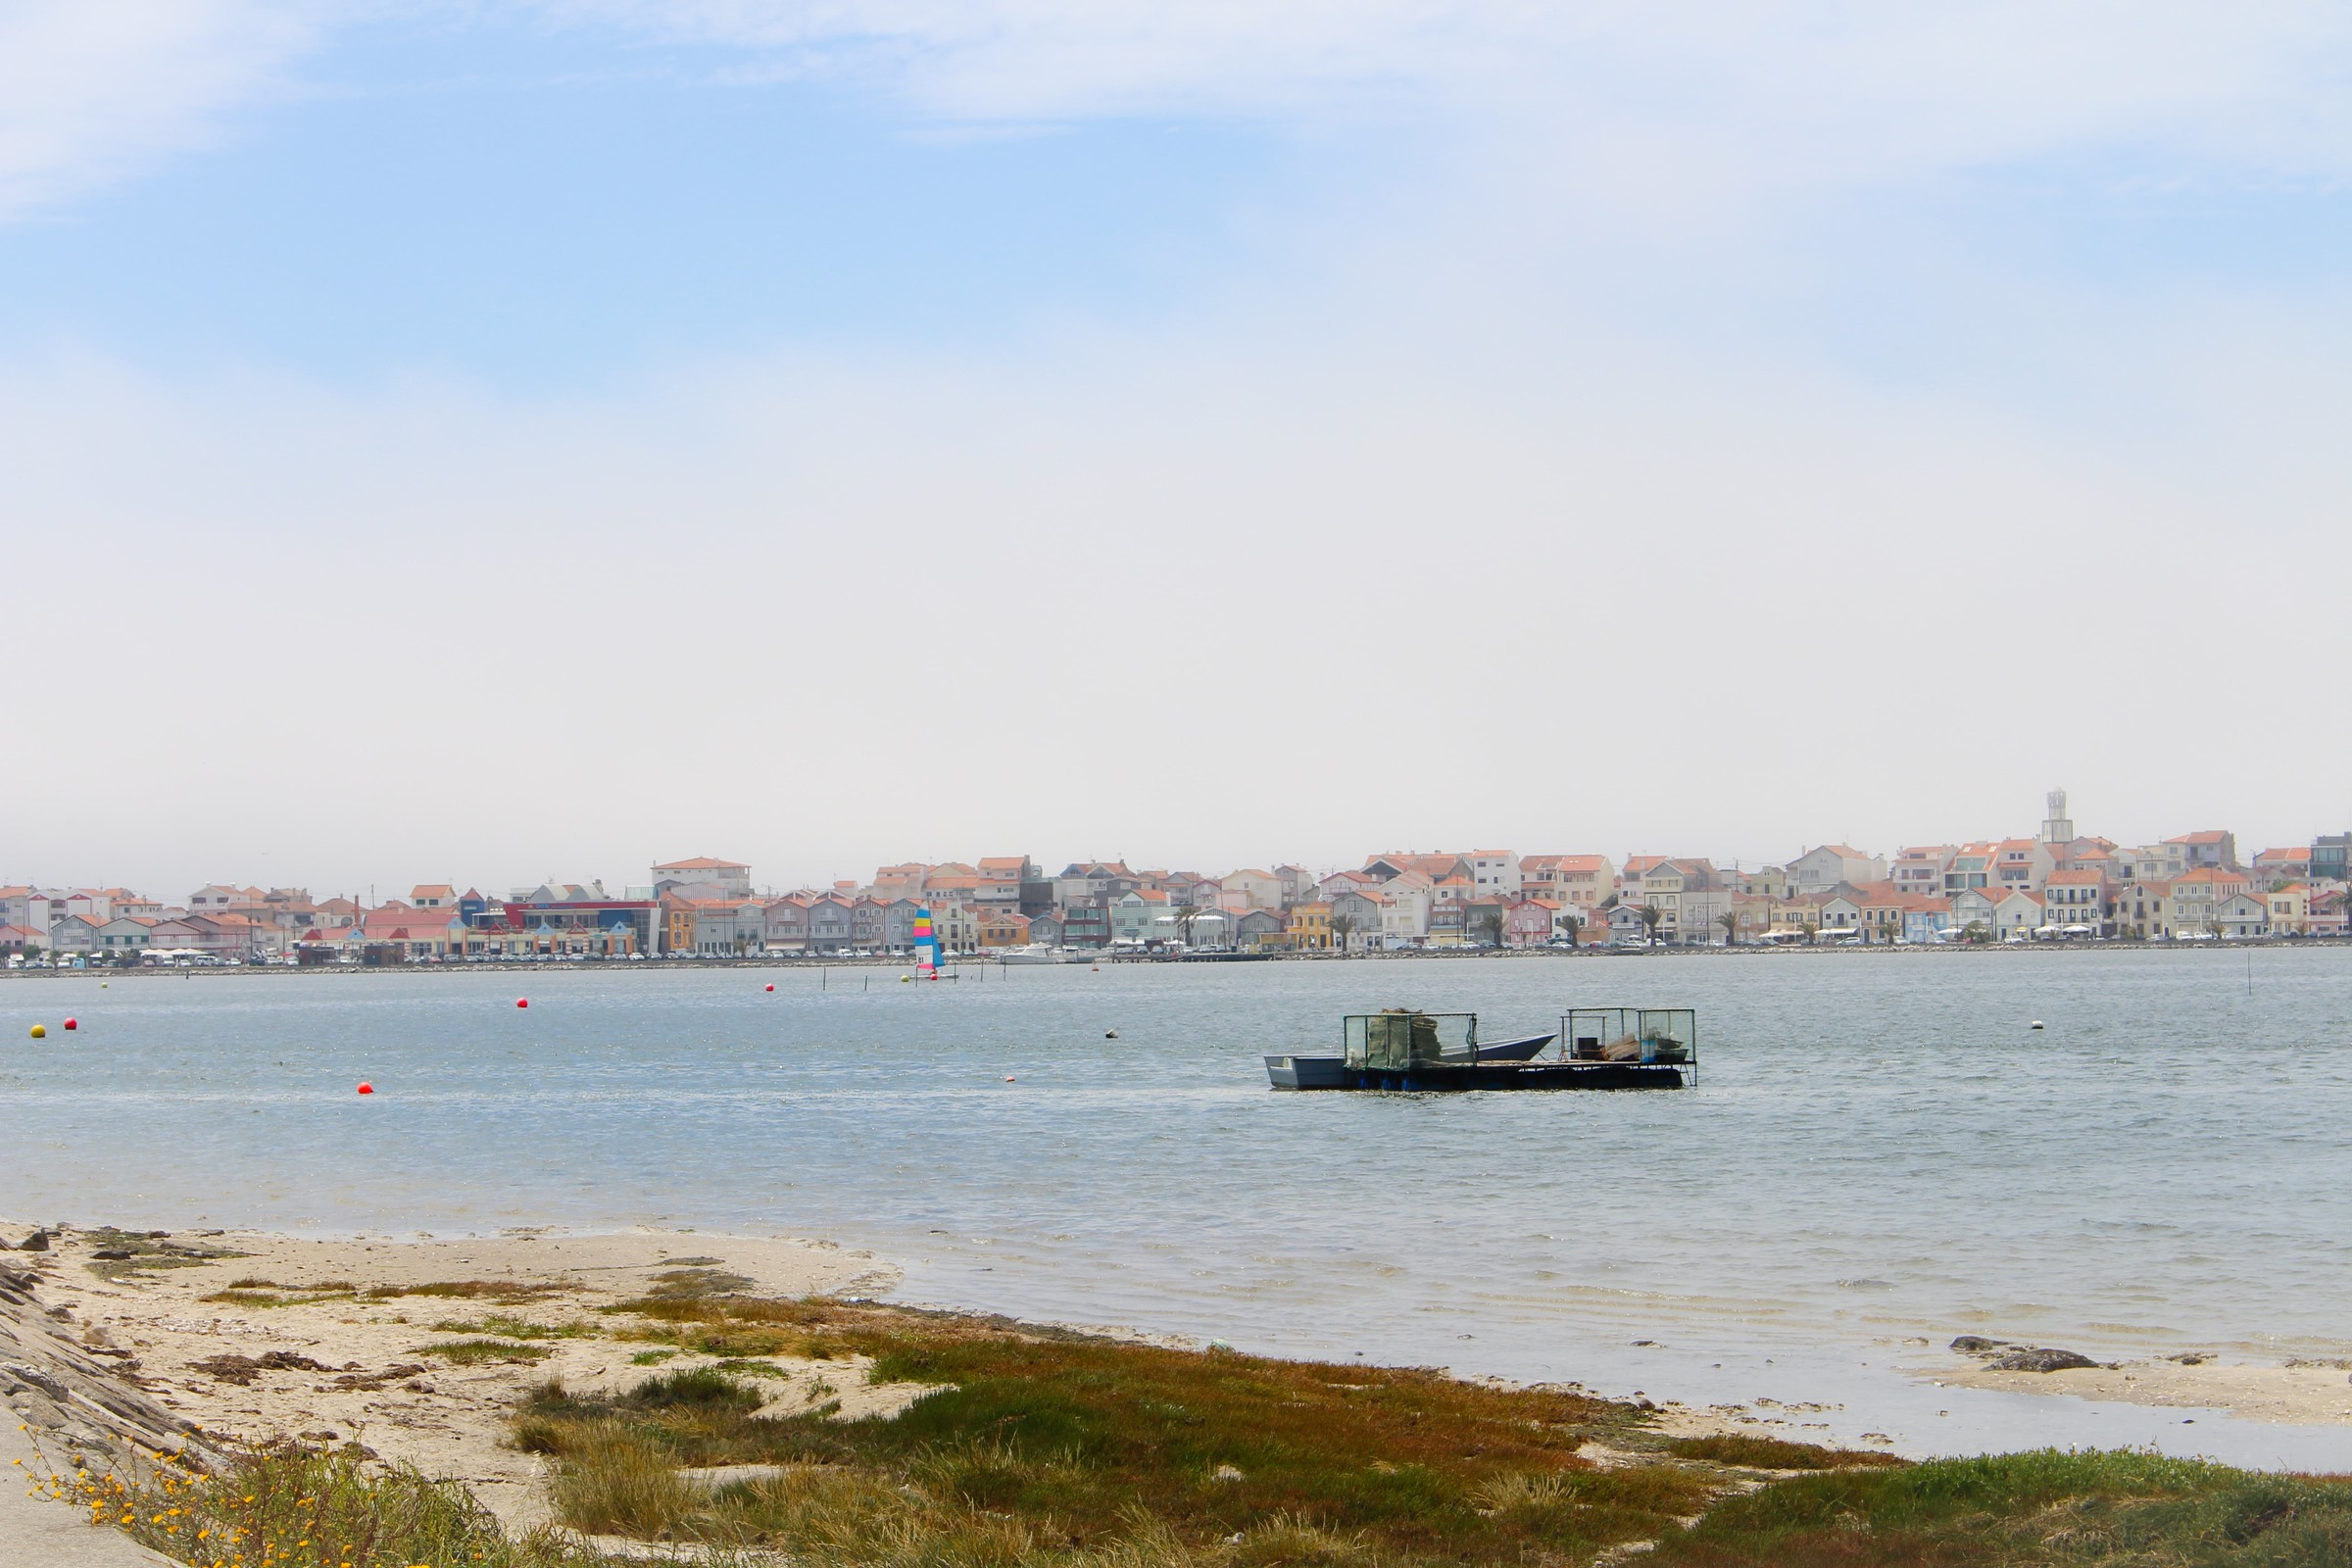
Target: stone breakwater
x=73, y=1394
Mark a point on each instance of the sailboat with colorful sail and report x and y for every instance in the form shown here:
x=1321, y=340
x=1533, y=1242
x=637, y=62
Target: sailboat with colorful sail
x=926, y=945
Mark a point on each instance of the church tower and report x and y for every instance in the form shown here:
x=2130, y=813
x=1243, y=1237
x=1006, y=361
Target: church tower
x=2057, y=828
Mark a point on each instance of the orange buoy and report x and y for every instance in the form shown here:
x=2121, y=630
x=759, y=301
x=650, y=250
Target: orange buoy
x=522, y=1002
x=72, y=1023
x=1008, y=1077
x=367, y=1088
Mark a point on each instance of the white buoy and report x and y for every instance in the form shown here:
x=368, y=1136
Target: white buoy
x=2035, y=1024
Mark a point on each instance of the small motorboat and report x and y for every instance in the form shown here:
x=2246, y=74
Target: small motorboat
x=1527, y=1050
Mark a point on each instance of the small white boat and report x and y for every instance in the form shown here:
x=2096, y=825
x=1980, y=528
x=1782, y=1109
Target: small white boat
x=1526, y=1048
x=1034, y=953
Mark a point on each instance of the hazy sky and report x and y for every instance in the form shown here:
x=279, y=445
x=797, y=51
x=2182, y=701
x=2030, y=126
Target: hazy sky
x=495, y=441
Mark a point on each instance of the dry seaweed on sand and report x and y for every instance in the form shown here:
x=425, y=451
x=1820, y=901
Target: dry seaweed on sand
x=118, y=1254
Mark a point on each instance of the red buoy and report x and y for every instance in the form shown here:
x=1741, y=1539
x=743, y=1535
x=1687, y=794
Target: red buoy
x=367, y=1088
x=522, y=1002
x=1008, y=1077
x=772, y=984
x=72, y=1023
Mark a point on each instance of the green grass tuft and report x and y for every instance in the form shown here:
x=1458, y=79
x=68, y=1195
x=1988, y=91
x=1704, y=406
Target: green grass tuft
x=2115, y=1510
x=503, y=1293
x=515, y=1327
x=1773, y=1454
x=477, y=1353
x=306, y=1507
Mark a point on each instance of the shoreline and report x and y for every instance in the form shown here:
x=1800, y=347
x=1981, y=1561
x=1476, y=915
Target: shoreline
x=976, y=962
x=493, y=1367
x=140, y=1299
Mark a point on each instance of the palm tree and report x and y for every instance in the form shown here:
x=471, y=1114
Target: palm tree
x=1574, y=925
x=1186, y=916
x=1651, y=916
x=1731, y=928
x=1343, y=926
x=1491, y=925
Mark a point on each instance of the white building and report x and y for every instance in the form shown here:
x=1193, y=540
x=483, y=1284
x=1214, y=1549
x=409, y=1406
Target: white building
x=2024, y=863
x=1821, y=869
x=1494, y=873
x=1247, y=888
x=2020, y=909
x=731, y=876
x=1404, y=903
x=1919, y=869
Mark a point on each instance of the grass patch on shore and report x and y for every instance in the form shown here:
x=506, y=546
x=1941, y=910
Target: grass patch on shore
x=2115, y=1510
x=515, y=1328
x=1773, y=1454
x=499, y=1293
x=1044, y=1448
x=296, y=1507
x=265, y=1293
x=262, y=1293
x=477, y=1353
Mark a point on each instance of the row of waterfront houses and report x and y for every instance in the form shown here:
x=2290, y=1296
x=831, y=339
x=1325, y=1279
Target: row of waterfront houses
x=2055, y=886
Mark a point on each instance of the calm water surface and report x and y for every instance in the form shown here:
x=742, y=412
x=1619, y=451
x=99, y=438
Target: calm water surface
x=1879, y=1152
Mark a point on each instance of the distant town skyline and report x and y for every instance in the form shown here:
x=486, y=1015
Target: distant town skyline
x=2059, y=885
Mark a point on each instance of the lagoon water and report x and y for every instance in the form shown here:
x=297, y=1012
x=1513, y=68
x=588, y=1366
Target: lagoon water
x=1880, y=1155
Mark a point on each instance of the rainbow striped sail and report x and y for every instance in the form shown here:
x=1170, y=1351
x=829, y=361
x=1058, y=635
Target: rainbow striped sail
x=926, y=945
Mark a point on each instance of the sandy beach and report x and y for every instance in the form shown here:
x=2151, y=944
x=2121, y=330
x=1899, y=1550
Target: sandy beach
x=2311, y=1394
x=315, y=1342
x=180, y=1318
x=422, y=1349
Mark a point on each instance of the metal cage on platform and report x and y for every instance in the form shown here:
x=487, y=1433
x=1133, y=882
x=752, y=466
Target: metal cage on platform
x=1632, y=1034
x=1402, y=1039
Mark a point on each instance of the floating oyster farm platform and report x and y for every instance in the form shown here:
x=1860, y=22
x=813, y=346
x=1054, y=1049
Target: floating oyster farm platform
x=1410, y=1051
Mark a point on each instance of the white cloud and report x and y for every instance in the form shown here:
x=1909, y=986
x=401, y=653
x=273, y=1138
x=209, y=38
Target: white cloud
x=1840, y=87
x=1715, y=94
x=94, y=89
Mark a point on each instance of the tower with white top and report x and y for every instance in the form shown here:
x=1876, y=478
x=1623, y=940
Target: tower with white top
x=2057, y=828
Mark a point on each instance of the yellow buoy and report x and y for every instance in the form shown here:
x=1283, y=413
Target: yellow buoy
x=40, y=1031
